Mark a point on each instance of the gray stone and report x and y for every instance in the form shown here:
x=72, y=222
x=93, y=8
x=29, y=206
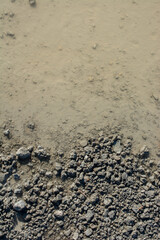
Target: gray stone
x=73, y=155
x=49, y=174
x=130, y=221
x=75, y=236
x=93, y=199
x=23, y=153
x=58, y=166
x=88, y=232
x=41, y=153
x=112, y=214
x=59, y=214
x=67, y=232
x=32, y=2
x=83, y=143
x=2, y=234
x=16, y=177
x=71, y=173
x=107, y=201
x=150, y=193
x=89, y=215
x=18, y=191
x=144, y=152
x=124, y=176
x=3, y=178
x=117, y=147
x=19, y=206
x=6, y=133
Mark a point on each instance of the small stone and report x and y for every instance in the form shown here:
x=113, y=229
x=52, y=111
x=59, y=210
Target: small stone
x=124, y=176
x=30, y=148
x=81, y=177
x=60, y=224
x=7, y=133
x=32, y=2
x=130, y=221
x=64, y=175
x=73, y=155
x=88, y=232
x=60, y=153
x=23, y=153
x=150, y=193
x=31, y=126
x=11, y=14
x=107, y=202
x=112, y=214
x=3, y=178
x=83, y=143
x=2, y=235
x=117, y=147
x=134, y=234
x=19, y=206
x=41, y=153
x=144, y=152
x=10, y=34
x=75, y=236
x=16, y=177
x=71, y=173
x=136, y=208
x=94, y=199
x=18, y=191
x=49, y=174
x=67, y=232
x=89, y=215
x=59, y=214
x=95, y=46
x=58, y=166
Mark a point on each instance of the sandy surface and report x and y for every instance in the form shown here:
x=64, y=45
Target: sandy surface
x=71, y=67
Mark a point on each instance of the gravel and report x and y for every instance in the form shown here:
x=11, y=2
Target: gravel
x=98, y=190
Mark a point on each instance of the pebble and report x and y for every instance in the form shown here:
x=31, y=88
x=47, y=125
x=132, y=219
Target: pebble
x=6, y=133
x=32, y=2
x=16, y=176
x=19, y=206
x=112, y=214
x=18, y=191
x=107, y=202
x=117, y=147
x=144, y=152
x=88, y=232
x=41, y=153
x=49, y=174
x=89, y=215
x=67, y=233
x=3, y=178
x=75, y=236
x=59, y=214
x=23, y=153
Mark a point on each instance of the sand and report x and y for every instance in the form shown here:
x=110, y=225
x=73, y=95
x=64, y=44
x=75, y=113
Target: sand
x=74, y=67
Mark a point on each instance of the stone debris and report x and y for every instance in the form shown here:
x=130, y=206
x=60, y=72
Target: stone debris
x=100, y=191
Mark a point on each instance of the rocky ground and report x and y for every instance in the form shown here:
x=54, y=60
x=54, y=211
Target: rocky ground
x=100, y=189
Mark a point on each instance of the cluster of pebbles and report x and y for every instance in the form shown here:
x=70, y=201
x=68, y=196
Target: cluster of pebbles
x=100, y=190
